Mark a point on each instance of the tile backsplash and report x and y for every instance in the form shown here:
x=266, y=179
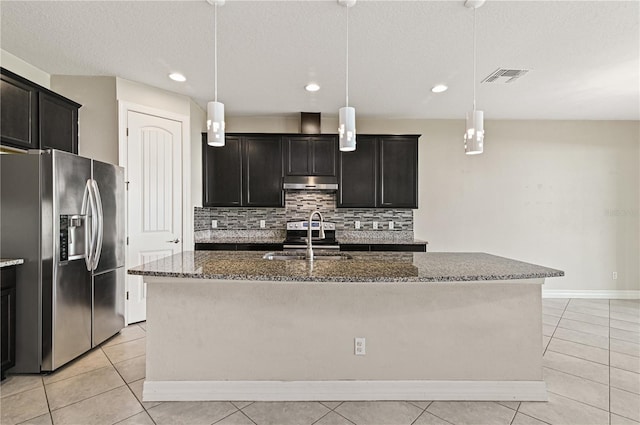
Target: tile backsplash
x=298, y=206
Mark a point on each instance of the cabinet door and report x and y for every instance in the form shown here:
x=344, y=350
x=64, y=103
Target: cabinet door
x=18, y=113
x=357, y=175
x=398, y=181
x=222, y=173
x=58, y=120
x=263, y=171
x=323, y=156
x=297, y=156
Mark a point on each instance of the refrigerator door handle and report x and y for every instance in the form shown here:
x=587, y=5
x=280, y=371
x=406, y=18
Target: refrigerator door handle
x=100, y=216
x=94, y=225
x=86, y=212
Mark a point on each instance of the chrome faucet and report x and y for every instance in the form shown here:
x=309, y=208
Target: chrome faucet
x=320, y=236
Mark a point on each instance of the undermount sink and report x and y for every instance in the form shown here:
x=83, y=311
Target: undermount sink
x=302, y=256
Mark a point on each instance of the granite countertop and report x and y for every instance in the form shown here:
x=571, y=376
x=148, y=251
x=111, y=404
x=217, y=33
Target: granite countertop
x=6, y=262
x=239, y=240
x=381, y=241
x=363, y=267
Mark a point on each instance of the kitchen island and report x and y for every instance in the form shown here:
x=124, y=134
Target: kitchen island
x=437, y=326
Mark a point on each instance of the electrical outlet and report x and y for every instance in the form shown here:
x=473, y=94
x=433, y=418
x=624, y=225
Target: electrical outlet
x=262, y=224
x=391, y=225
x=214, y=224
x=357, y=224
x=615, y=275
x=360, y=347
x=375, y=225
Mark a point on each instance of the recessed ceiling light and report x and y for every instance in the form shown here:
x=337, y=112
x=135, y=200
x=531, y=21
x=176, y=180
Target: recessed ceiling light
x=312, y=87
x=439, y=88
x=178, y=77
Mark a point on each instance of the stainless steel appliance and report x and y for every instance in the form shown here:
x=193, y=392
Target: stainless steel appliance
x=64, y=215
x=328, y=183
x=296, y=237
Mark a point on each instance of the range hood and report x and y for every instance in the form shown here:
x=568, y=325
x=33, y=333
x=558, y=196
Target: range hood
x=310, y=183
x=310, y=124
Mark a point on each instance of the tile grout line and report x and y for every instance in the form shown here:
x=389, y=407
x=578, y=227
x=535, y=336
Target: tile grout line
x=574, y=375
x=247, y=416
x=577, y=357
x=529, y=416
x=578, y=401
x=593, y=346
x=554, y=330
x=144, y=409
x=122, y=342
x=225, y=417
x=421, y=413
x=79, y=374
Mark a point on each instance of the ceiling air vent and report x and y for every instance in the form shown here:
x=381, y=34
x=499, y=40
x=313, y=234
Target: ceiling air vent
x=502, y=75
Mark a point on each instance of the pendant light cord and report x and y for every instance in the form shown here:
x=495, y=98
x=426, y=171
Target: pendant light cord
x=347, y=79
x=215, y=52
x=474, y=59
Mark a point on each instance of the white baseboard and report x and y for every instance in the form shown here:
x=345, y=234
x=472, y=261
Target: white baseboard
x=605, y=294
x=344, y=390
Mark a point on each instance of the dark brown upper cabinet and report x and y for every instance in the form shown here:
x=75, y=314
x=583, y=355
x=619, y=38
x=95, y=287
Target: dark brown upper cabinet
x=19, y=112
x=310, y=155
x=245, y=172
x=34, y=117
x=398, y=172
x=357, y=183
x=381, y=173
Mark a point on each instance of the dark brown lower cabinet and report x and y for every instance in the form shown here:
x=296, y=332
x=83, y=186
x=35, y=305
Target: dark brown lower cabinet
x=8, y=318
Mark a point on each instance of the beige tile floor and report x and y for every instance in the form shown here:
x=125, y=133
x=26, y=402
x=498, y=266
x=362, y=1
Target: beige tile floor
x=591, y=366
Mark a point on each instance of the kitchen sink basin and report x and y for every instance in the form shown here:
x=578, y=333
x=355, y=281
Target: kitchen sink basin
x=301, y=256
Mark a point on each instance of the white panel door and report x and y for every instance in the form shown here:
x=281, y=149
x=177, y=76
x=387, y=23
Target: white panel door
x=154, y=175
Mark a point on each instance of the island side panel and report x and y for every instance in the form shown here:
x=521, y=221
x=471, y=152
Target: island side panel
x=208, y=330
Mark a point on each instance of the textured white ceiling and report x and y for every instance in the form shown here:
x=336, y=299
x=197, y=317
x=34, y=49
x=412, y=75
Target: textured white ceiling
x=584, y=57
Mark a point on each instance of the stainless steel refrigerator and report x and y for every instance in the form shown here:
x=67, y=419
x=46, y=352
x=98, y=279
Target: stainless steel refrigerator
x=64, y=215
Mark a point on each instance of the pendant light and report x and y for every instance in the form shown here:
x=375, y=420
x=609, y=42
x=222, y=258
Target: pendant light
x=474, y=135
x=347, y=114
x=215, y=109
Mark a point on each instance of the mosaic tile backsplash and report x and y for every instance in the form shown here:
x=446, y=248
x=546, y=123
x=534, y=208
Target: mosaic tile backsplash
x=298, y=206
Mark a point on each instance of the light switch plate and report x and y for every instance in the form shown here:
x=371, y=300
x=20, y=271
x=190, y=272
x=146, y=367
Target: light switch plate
x=357, y=224
x=375, y=225
x=262, y=224
x=391, y=225
x=360, y=348
x=214, y=224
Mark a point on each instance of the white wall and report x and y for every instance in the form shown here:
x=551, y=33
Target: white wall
x=98, y=116
x=24, y=69
x=563, y=194
x=198, y=125
x=142, y=94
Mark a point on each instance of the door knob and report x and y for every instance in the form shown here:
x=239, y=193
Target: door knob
x=176, y=240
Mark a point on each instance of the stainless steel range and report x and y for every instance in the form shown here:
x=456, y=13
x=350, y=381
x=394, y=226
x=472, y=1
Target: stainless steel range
x=297, y=235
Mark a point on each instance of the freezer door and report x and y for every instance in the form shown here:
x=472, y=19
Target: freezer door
x=66, y=283
x=110, y=182
x=108, y=304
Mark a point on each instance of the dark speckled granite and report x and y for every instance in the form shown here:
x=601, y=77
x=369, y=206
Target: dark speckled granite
x=363, y=267
x=7, y=262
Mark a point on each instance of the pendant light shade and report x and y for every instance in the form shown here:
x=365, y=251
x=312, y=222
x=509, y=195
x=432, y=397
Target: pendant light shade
x=215, y=124
x=347, y=129
x=474, y=136
x=347, y=114
x=215, y=109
